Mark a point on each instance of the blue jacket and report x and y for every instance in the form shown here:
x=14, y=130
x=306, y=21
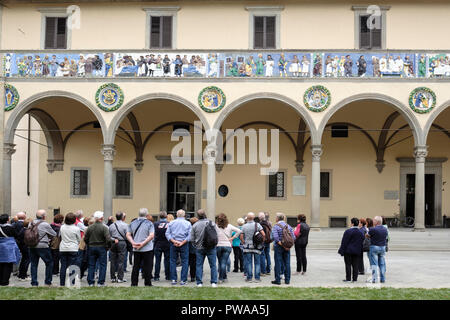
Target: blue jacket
x=9, y=251
x=352, y=242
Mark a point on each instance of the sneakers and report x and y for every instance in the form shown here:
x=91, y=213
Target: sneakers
x=257, y=281
x=91, y=285
x=220, y=281
x=214, y=285
x=50, y=285
x=248, y=280
x=24, y=279
x=113, y=280
x=156, y=279
x=174, y=282
x=199, y=285
x=121, y=281
x=277, y=283
x=182, y=283
x=101, y=285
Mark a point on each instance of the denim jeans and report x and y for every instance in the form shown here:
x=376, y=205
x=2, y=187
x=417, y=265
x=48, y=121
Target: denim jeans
x=223, y=253
x=158, y=257
x=200, y=259
x=377, y=261
x=249, y=259
x=46, y=255
x=67, y=259
x=282, y=264
x=97, y=255
x=183, y=251
x=265, y=259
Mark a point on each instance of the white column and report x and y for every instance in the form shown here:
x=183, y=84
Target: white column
x=2, y=119
x=8, y=151
x=420, y=153
x=108, y=151
x=210, y=154
x=316, y=151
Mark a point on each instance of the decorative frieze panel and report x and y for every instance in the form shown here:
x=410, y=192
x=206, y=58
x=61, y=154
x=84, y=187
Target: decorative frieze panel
x=233, y=64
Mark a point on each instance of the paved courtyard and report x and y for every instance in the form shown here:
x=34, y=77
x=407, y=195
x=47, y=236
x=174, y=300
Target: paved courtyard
x=415, y=259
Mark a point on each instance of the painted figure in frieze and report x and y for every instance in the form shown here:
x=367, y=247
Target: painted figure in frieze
x=260, y=65
x=250, y=66
x=73, y=68
x=81, y=66
x=142, y=67
x=66, y=67
x=390, y=64
x=29, y=63
x=37, y=64
x=375, y=66
x=53, y=66
x=362, y=66
x=248, y=70
x=178, y=66
x=348, y=65
x=89, y=66
x=108, y=65
x=166, y=65
x=151, y=65
x=232, y=68
x=341, y=72
x=328, y=67
x=422, y=66
x=408, y=68
x=22, y=67
x=60, y=70
x=398, y=65
x=213, y=65
x=7, y=65
x=98, y=65
x=159, y=66
x=45, y=66
x=317, y=70
x=335, y=66
x=294, y=67
x=383, y=64
x=282, y=64
x=242, y=72
x=305, y=67
x=269, y=66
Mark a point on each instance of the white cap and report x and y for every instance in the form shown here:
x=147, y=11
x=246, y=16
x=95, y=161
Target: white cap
x=98, y=214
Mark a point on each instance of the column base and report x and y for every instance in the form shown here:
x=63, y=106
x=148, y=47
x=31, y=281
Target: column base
x=418, y=230
x=314, y=229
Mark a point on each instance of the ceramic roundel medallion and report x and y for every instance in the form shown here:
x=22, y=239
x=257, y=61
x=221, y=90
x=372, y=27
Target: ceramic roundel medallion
x=109, y=97
x=317, y=98
x=211, y=99
x=422, y=100
x=11, y=97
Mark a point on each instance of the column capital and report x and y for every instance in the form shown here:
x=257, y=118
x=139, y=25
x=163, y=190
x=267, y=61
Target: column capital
x=8, y=150
x=210, y=154
x=108, y=151
x=316, y=151
x=420, y=153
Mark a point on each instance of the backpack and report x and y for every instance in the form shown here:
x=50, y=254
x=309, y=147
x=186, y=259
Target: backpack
x=287, y=241
x=267, y=231
x=31, y=235
x=210, y=238
x=258, y=238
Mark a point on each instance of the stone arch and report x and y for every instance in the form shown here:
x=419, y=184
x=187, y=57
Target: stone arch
x=123, y=111
x=271, y=96
x=26, y=105
x=402, y=109
x=437, y=112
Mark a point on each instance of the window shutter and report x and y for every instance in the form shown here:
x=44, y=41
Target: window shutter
x=50, y=32
x=270, y=32
x=122, y=183
x=258, y=36
x=364, y=33
x=376, y=39
x=167, y=32
x=61, y=33
x=324, y=184
x=155, y=32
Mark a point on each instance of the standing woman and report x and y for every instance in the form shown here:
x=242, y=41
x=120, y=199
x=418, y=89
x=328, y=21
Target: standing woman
x=237, y=250
x=224, y=231
x=192, y=254
x=68, y=248
x=301, y=241
x=364, y=230
x=369, y=222
x=54, y=244
x=9, y=251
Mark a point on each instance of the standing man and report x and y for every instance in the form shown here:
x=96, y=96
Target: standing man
x=352, y=248
x=24, y=251
x=265, y=254
x=81, y=253
x=179, y=233
x=282, y=249
x=42, y=250
x=118, y=231
x=197, y=236
x=97, y=238
x=251, y=251
x=378, y=235
x=141, y=233
x=162, y=245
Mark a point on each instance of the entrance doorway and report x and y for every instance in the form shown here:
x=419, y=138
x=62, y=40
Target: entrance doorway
x=181, y=193
x=429, y=197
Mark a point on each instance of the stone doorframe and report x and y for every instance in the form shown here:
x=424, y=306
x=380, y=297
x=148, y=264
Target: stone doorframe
x=166, y=166
x=432, y=166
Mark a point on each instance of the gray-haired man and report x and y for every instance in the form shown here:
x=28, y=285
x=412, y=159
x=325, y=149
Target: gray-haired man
x=118, y=231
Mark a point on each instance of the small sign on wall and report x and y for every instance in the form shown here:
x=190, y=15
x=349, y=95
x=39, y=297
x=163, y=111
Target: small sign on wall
x=299, y=185
x=390, y=194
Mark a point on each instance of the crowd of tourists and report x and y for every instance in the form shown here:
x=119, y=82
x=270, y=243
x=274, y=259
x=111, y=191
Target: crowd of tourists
x=74, y=243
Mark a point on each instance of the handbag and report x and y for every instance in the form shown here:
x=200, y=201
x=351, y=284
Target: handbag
x=366, y=245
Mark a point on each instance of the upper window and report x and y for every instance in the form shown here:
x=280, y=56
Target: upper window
x=264, y=33
x=161, y=32
x=276, y=185
x=370, y=26
x=325, y=184
x=122, y=183
x=55, y=33
x=80, y=182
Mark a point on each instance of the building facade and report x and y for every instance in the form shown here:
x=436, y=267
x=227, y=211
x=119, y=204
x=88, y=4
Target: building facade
x=359, y=93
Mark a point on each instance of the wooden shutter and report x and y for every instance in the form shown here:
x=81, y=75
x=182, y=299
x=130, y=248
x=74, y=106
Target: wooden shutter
x=364, y=33
x=155, y=32
x=167, y=32
x=376, y=36
x=50, y=33
x=258, y=33
x=324, y=184
x=123, y=183
x=270, y=32
x=61, y=33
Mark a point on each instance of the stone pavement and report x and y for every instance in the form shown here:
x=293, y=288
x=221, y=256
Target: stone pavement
x=415, y=259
